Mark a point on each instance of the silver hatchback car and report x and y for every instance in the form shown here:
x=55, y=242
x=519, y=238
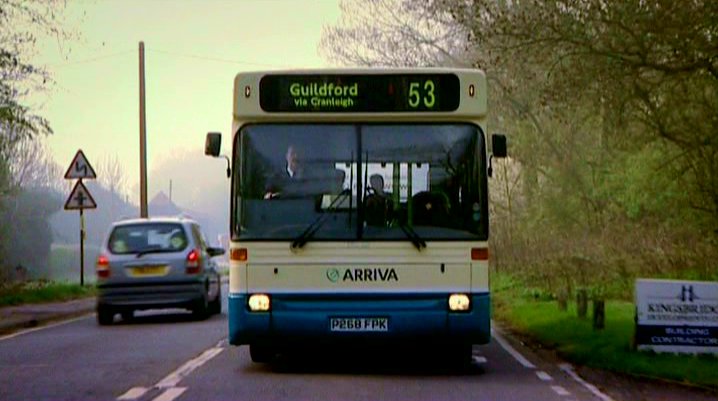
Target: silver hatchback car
x=157, y=263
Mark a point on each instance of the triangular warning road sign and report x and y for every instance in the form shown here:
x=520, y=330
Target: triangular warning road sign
x=80, y=198
x=80, y=167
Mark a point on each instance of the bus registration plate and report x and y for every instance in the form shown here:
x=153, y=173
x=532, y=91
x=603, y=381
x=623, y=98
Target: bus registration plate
x=359, y=324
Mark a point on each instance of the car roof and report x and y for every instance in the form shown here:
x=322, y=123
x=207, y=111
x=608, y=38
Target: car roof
x=155, y=219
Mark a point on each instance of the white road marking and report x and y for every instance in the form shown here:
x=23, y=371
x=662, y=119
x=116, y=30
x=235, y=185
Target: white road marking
x=170, y=394
x=19, y=333
x=133, y=393
x=520, y=358
x=560, y=390
x=169, y=383
x=544, y=376
x=173, y=378
x=593, y=389
x=479, y=359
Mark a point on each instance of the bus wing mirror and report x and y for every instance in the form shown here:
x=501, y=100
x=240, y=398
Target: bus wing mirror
x=498, y=145
x=212, y=144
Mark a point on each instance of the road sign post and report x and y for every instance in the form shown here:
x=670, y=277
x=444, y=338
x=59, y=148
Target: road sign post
x=80, y=199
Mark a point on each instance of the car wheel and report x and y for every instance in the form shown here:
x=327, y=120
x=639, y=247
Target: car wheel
x=105, y=315
x=200, y=310
x=128, y=315
x=261, y=353
x=215, y=306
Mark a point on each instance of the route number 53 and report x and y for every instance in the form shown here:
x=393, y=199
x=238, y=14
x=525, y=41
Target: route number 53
x=419, y=94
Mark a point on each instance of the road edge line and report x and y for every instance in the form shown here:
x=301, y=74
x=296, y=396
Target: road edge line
x=506, y=346
x=568, y=368
x=45, y=326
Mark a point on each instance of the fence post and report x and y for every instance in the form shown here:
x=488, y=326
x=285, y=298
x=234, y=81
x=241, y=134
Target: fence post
x=582, y=303
x=599, y=314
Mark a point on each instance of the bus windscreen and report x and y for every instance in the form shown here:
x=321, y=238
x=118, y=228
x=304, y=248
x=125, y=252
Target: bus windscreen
x=335, y=93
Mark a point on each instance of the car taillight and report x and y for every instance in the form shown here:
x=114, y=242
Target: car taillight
x=193, y=262
x=102, y=267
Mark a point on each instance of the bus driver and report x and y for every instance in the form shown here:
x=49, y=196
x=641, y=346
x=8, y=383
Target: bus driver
x=293, y=172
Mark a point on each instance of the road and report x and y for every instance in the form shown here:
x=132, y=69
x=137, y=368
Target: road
x=168, y=356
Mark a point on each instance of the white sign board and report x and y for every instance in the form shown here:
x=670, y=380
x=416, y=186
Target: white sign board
x=677, y=316
x=80, y=167
x=80, y=198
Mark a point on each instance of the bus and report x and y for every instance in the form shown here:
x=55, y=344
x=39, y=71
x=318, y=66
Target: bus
x=359, y=209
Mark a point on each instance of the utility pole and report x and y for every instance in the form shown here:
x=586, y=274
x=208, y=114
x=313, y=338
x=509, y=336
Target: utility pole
x=143, y=136
x=170, y=190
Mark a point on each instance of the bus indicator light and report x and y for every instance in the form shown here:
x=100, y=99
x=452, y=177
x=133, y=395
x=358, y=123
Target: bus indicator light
x=479, y=254
x=239, y=254
x=472, y=90
x=247, y=91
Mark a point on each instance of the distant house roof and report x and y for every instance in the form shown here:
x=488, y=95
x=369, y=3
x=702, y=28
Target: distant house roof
x=161, y=205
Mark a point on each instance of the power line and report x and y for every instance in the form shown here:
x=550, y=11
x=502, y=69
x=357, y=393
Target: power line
x=219, y=60
x=169, y=53
x=90, y=60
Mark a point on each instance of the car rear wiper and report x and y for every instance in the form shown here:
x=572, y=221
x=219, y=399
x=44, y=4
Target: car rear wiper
x=151, y=249
x=418, y=242
x=302, y=239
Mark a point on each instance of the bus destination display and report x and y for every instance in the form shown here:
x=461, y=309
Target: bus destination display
x=359, y=93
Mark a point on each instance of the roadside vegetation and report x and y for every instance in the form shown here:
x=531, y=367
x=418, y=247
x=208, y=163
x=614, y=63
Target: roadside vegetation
x=42, y=291
x=536, y=314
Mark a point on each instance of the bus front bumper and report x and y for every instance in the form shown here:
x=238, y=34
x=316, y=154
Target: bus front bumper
x=305, y=318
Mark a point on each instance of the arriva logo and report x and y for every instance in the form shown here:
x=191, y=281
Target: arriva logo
x=333, y=275
x=376, y=274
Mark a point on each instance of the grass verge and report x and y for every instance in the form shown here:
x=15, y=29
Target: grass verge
x=611, y=349
x=42, y=291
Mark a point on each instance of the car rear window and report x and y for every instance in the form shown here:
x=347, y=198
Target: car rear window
x=155, y=237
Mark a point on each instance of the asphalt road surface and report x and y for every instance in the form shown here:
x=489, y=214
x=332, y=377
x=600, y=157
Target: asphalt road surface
x=168, y=356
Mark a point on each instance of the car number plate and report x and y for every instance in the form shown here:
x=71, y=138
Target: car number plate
x=144, y=271
x=359, y=324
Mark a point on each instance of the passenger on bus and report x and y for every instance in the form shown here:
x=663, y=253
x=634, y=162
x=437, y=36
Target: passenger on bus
x=378, y=205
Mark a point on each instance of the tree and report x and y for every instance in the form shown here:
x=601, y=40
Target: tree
x=397, y=33
x=649, y=69
x=112, y=177
x=20, y=24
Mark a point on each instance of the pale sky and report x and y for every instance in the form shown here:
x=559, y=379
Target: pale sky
x=193, y=50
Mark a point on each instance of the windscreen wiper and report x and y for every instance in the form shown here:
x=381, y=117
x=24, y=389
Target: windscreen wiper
x=418, y=242
x=302, y=239
x=152, y=249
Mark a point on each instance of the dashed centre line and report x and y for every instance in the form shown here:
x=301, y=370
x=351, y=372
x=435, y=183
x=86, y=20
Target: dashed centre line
x=133, y=393
x=169, y=382
x=171, y=393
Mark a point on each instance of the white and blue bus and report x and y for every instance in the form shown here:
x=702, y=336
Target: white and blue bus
x=359, y=209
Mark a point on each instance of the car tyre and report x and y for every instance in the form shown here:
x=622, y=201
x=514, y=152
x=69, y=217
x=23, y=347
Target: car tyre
x=261, y=353
x=128, y=315
x=215, y=307
x=105, y=315
x=200, y=311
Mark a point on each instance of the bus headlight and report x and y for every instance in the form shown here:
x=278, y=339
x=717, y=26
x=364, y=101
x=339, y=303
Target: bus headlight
x=459, y=302
x=258, y=303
